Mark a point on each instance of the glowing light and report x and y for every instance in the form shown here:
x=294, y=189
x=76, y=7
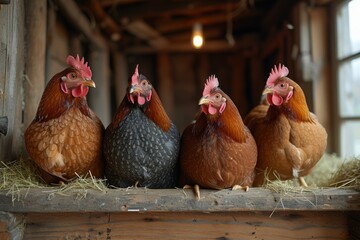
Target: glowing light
x=197, y=37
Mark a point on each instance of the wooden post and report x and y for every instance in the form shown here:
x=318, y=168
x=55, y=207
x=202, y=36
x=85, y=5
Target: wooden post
x=99, y=98
x=11, y=78
x=121, y=76
x=321, y=83
x=35, y=15
x=165, y=86
x=238, y=84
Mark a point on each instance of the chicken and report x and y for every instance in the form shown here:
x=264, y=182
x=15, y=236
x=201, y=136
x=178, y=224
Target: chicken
x=141, y=144
x=290, y=139
x=65, y=138
x=217, y=150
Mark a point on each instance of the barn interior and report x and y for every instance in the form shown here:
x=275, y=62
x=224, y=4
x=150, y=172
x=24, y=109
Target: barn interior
x=317, y=40
x=243, y=40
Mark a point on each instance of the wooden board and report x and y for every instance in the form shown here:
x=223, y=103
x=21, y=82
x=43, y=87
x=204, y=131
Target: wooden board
x=179, y=200
x=236, y=225
x=11, y=77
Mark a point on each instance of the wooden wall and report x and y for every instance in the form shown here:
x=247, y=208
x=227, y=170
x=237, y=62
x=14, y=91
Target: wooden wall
x=11, y=77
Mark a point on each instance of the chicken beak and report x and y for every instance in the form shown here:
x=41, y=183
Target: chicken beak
x=89, y=83
x=204, y=100
x=267, y=90
x=134, y=88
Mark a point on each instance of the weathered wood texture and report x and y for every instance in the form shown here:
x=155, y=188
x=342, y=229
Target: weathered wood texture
x=157, y=200
x=35, y=14
x=99, y=98
x=11, y=77
x=180, y=225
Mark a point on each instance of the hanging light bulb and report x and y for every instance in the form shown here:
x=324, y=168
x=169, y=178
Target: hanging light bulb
x=197, y=36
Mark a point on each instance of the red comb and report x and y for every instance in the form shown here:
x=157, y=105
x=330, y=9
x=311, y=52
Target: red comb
x=211, y=83
x=81, y=65
x=135, y=76
x=277, y=73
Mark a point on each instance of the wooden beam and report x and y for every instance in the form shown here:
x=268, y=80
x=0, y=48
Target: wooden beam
x=36, y=19
x=143, y=31
x=99, y=98
x=165, y=200
x=173, y=26
x=73, y=14
x=121, y=76
x=165, y=83
x=151, y=9
x=109, y=3
x=209, y=46
x=105, y=21
x=180, y=225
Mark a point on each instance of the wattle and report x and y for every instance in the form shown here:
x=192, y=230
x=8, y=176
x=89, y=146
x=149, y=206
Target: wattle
x=80, y=91
x=274, y=99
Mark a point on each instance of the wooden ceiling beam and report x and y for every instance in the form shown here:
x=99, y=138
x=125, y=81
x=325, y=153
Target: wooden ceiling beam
x=159, y=8
x=248, y=44
x=143, y=31
x=109, y=3
x=106, y=22
x=182, y=24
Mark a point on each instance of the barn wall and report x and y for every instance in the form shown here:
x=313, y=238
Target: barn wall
x=11, y=77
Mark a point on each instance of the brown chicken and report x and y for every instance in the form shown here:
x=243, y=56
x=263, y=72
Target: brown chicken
x=65, y=138
x=217, y=150
x=289, y=137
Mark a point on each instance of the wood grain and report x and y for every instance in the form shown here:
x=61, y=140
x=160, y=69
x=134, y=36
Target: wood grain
x=236, y=225
x=164, y=200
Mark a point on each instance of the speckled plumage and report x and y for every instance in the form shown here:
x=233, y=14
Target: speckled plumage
x=141, y=144
x=139, y=151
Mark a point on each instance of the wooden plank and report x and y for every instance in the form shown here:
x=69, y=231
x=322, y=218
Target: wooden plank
x=237, y=225
x=12, y=63
x=158, y=200
x=11, y=226
x=74, y=15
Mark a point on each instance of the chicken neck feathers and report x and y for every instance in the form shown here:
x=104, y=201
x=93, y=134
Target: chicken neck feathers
x=54, y=102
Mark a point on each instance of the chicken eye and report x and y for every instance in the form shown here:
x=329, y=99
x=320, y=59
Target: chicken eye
x=282, y=85
x=71, y=76
x=144, y=83
x=218, y=96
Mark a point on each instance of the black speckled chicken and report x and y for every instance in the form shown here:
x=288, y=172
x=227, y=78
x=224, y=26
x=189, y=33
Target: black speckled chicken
x=141, y=144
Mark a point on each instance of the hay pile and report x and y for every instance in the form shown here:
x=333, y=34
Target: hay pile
x=22, y=175
x=331, y=171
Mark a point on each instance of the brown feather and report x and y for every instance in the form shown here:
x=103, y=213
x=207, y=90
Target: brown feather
x=156, y=112
x=218, y=151
x=54, y=102
x=65, y=138
x=153, y=110
x=288, y=137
